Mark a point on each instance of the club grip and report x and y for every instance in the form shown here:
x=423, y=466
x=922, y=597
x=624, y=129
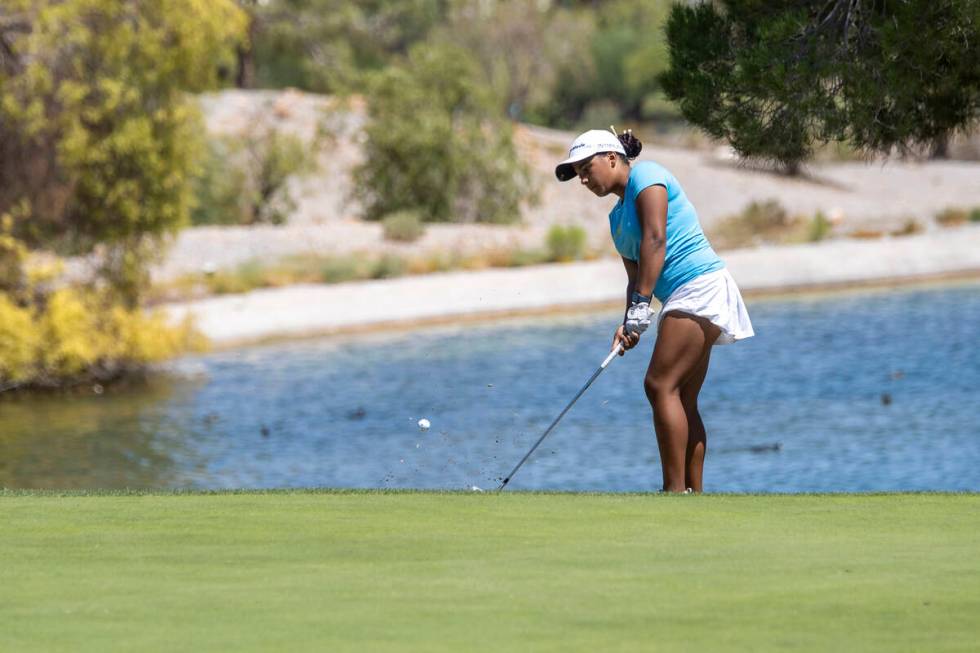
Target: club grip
x=613, y=354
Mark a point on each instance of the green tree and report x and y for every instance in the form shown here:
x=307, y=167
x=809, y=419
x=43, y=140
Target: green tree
x=436, y=143
x=630, y=55
x=549, y=62
x=604, y=63
x=515, y=44
x=327, y=45
x=775, y=78
x=98, y=139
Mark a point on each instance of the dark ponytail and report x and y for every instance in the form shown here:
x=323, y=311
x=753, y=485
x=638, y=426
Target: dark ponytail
x=630, y=143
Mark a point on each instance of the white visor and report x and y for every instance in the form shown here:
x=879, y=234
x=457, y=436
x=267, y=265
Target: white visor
x=586, y=145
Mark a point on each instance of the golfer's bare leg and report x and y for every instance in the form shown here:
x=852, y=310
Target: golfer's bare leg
x=681, y=346
x=697, y=438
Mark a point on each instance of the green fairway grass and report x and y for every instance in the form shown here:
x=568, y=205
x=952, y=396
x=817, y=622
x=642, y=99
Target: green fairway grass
x=405, y=571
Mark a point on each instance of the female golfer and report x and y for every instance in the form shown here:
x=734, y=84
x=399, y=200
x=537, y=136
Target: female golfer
x=656, y=231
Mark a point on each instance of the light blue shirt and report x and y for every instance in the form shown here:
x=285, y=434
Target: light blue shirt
x=688, y=253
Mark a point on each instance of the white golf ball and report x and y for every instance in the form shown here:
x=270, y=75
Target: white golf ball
x=474, y=488
x=424, y=424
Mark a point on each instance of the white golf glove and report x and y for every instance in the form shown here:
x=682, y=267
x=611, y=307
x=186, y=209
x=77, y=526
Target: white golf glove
x=638, y=318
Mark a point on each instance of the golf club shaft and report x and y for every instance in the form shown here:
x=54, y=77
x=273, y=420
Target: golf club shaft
x=585, y=387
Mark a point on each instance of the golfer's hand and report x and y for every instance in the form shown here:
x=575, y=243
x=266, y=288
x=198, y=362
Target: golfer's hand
x=638, y=318
x=627, y=340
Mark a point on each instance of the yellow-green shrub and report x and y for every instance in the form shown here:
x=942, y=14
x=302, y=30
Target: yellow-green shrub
x=149, y=337
x=19, y=343
x=78, y=335
x=70, y=336
x=403, y=226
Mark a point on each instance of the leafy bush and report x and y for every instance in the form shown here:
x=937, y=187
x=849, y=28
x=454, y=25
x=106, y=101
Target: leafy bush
x=820, y=227
x=975, y=215
x=219, y=187
x=759, y=222
x=275, y=157
x=566, y=243
x=403, y=226
x=454, y=159
x=243, y=177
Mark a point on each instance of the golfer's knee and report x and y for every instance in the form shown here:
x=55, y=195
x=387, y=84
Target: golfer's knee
x=659, y=388
x=690, y=404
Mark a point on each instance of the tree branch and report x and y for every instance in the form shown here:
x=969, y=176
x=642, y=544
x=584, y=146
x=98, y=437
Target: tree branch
x=11, y=25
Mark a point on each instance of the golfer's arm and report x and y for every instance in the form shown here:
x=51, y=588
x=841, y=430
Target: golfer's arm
x=651, y=210
x=632, y=269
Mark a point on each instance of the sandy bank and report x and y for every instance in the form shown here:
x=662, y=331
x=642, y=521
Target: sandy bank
x=323, y=309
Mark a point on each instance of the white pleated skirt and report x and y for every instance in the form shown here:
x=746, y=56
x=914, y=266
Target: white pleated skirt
x=714, y=296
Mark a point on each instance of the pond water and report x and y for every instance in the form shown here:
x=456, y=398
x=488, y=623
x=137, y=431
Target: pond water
x=863, y=391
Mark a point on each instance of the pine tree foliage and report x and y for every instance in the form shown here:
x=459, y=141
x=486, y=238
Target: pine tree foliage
x=777, y=77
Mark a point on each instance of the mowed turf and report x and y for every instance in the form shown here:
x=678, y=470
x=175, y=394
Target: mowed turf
x=372, y=571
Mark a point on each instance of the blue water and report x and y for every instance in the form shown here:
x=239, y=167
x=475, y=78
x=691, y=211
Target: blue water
x=850, y=392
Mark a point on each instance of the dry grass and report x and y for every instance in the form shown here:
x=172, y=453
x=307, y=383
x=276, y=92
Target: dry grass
x=562, y=244
x=957, y=216
x=910, y=227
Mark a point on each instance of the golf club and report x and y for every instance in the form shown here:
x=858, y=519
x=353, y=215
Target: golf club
x=595, y=375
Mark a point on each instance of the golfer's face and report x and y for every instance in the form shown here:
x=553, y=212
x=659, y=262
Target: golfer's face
x=595, y=173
